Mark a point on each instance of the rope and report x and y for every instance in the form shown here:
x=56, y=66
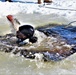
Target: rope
x=70, y=24
x=60, y=8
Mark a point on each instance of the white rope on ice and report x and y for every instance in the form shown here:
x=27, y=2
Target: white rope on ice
x=60, y=8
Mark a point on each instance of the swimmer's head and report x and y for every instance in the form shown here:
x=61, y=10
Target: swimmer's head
x=26, y=32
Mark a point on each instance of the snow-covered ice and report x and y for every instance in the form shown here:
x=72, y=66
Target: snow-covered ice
x=58, y=8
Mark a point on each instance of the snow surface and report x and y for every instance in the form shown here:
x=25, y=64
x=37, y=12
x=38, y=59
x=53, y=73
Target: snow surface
x=62, y=8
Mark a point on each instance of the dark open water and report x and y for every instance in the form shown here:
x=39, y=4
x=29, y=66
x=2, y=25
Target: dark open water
x=68, y=33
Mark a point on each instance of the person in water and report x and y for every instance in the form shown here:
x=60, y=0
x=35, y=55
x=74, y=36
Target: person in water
x=48, y=45
x=23, y=32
